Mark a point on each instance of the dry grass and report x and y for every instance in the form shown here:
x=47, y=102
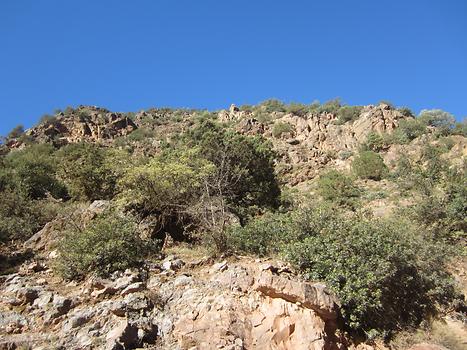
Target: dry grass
x=449, y=334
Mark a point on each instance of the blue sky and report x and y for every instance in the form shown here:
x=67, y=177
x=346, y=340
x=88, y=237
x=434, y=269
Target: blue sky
x=130, y=55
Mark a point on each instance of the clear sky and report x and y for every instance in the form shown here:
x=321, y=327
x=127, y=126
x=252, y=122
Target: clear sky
x=130, y=55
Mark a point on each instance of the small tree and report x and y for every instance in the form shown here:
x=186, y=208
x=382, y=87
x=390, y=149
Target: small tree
x=369, y=165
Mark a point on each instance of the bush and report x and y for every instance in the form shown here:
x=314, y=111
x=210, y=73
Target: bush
x=32, y=172
x=408, y=130
x=338, y=188
x=369, y=165
x=47, y=119
x=348, y=113
x=385, y=276
x=87, y=171
x=16, y=132
x=272, y=105
x=108, y=243
x=460, y=128
x=406, y=112
x=280, y=128
x=244, y=165
x=443, y=211
x=21, y=217
x=444, y=122
x=374, y=142
x=264, y=236
x=168, y=185
x=331, y=106
x=298, y=109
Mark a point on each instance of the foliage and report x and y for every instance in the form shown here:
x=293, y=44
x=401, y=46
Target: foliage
x=16, y=132
x=272, y=105
x=21, y=217
x=108, y=243
x=443, y=121
x=298, y=109
x=47, y=119
x=264, y=236
x=406, y=112
x=369, y=165
x=167, y=185
x=374, y=142
x=244, y=164
x=408, y=130
x=385, y=276
x=345, y=154
x=348, y=113
x=460, y=128
x=87, y=172
x=331, y=106
x=338, y=188
x=443, y=210
x=31, y=171
x=280, y=128
x=140, y=134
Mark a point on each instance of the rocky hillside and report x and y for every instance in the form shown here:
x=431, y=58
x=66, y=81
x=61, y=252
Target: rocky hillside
x=256, y=227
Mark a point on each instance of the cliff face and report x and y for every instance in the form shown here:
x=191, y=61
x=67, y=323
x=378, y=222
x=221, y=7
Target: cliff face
x=316, y=140
x=90, y=124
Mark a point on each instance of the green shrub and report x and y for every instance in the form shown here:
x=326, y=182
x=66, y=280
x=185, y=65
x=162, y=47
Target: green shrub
x=298, y=109
x=108, y=243
x=280, y=128
x=369, y=165
x=264, y=236
x=406, y=112
x=272, y=105
x=345, y=154
x=32, y=171
x=87, y=172
x=443, y=211
x=408, y=130
x=348, y=113
x=16, y=132
x=444, y=122
x=140, y=134
x=21, y=217
x=460, y=128
x=385, y=276
x=167, y=185
x=245, y=164
x=331, y=106
x=374, y=142
x=47, y=119
x=338, y=188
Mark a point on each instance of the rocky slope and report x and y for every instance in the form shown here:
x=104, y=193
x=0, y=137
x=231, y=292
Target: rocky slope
x=312, y=142
x=176, y=304
x=182, y=302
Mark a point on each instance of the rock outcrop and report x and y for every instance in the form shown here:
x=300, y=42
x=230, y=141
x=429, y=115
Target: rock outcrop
x=199, y=305
x=91, y=124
